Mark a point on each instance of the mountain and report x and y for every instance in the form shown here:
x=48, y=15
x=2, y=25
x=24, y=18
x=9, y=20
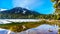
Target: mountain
x=18, y=12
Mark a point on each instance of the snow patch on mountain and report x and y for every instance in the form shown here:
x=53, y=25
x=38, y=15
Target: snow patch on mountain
x=24, y=11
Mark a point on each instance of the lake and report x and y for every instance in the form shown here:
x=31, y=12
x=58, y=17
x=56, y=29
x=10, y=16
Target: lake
x=42, y=29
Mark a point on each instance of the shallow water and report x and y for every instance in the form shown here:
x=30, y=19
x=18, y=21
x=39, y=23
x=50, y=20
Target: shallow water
x=42, y=29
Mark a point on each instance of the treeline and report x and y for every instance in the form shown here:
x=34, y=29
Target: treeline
x=31, y=16
x=48, y=16
x=17, y=16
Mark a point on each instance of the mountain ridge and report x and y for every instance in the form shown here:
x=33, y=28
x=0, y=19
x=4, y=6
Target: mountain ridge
x=19, y=12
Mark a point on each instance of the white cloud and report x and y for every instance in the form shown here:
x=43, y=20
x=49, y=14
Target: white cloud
x=2, y=9
x=29, y=4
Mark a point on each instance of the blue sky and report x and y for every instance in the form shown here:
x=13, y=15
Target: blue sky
x=41, y=6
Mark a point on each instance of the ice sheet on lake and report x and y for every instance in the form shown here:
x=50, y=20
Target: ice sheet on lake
x=4, y=21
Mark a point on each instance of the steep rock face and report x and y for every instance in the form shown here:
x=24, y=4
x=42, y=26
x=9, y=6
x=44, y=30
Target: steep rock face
x=18, y=12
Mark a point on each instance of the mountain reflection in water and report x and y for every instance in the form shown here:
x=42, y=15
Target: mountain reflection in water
x=42, y=29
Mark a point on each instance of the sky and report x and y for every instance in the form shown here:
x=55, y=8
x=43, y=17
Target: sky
x=41, y=6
